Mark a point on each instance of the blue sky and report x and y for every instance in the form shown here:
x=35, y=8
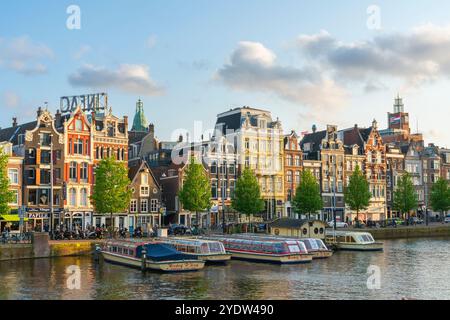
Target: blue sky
x=309, y=62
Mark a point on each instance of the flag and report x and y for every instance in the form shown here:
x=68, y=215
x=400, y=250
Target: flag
x=396, y=119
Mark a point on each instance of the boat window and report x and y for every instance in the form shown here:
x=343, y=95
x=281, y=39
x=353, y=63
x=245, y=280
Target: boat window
x=215, y=247
x=131, y=252
x=204, y=248
x=351, y=239
x=120, y=250
x=294, y=249
x=114, y=249
x=307, y=244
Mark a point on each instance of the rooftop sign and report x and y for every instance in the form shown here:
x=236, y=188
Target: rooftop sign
x=87, y=102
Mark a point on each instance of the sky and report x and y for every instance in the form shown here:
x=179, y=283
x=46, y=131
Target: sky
x=308, y=62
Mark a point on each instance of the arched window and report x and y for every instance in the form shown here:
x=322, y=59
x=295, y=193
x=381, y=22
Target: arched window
x=83, y=197
x=73, y=197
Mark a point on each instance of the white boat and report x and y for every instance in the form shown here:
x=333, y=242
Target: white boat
x=354, y=241
x=264, y=250
x=158, y=256
x=206, y=250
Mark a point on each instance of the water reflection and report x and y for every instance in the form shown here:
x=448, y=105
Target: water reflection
x=409, y=268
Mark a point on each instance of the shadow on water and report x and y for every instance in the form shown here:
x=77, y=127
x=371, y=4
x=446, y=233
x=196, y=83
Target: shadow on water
x=409, y=268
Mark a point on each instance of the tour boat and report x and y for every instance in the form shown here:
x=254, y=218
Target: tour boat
x=317, y=247
x=207, y=250
x=354, y=241
x=264, y=250
x=158, y=256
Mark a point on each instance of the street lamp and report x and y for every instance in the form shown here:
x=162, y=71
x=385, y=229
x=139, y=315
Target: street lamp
x=52, y=230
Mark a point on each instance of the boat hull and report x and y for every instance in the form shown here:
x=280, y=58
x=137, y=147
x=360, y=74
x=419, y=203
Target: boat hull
x=164, y=266
x=322, y=254
x=377, y=246
x=277, y=259
x=215, y=258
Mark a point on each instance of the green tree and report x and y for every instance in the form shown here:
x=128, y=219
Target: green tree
x=195, y=194
x=112, y=193
x=247, y=197
x=440, y=197
x=307, y=198
x=6, y=196
x=357, y=194
x=405, y=197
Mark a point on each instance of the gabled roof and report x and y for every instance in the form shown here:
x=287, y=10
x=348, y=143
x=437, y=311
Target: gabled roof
x=315, y=141
x=11, y=134
x=134, y=171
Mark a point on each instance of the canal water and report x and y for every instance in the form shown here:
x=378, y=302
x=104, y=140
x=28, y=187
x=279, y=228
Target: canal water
x=413, y=269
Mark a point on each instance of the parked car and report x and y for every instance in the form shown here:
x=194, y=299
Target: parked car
x=415, y=220
x=339, y=224
x=177, y=229
x=447, y=219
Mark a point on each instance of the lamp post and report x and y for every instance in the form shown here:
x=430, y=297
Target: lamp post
x=52, y=229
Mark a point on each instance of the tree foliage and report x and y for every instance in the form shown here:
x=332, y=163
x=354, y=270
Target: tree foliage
x=405, y=197
x=307, y=198
x=112, y=193
x=357, y=193
x=247, y=198
x=6, y=196
x=195, y=194
x=440, y=196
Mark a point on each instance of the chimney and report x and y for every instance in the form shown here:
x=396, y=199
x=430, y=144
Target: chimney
x=58, y=119
x=151, y=128
x=314, y=128
x=125, y=120
x=180, y=138
x=14, y=124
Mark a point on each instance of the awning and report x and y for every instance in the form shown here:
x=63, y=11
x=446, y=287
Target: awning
x=11, y=218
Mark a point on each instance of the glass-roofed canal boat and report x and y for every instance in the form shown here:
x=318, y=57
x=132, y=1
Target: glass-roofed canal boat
x=207, y=250
x=264, y=250
x=150, y=256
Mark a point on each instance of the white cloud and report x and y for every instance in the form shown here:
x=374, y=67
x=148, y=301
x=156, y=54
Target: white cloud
x=416, y=57
x=128, y=78
x=24, y=56
x=253, y=67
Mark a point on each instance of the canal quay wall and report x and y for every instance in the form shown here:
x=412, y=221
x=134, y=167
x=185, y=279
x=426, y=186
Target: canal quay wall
x=410, y=232
x=41, y=247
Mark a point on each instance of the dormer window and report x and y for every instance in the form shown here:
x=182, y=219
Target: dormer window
x=262, y=124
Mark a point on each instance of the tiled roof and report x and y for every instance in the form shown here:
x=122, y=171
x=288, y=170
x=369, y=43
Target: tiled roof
x=11, y=134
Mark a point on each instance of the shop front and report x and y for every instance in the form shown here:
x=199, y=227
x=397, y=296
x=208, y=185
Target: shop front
x=80, y=219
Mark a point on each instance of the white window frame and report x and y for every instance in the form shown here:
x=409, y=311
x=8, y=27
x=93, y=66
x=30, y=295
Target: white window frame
x=133, y=206
x=144, y=206
x=13, y=175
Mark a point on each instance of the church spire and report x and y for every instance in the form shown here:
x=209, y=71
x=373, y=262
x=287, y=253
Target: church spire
x=140, y=123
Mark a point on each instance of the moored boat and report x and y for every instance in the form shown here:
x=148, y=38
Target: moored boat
x=353, y=241
x=158, y=256
x=207, y=250
x=264, y=250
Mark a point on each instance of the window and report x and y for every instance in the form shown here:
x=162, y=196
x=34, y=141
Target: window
x=247, y=144
x=145, y=191
x=73, y=197
x=31, y=153
x=232, y=188
x=45, y=157
x=297, y=177
x=289, y=176
x=133, y=206
x=340, y=187
x=78, y=147
x=144, y=205
x=32, y=197
x=289, y=160
x=73, y=171
x=78, y=125
x=232, y=169
x=83, y=197
x=13, y=175
x=84, y=172
x=15, y=198
x=297, y=161
x=214, y=189
x=154, y=205
x=45, y=176
x=111, y=130
x=45, y=139
x=214, y=167
x=144, y=178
